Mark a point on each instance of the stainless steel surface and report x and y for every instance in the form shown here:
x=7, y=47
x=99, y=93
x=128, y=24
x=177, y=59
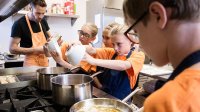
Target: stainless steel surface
x=18, y=84
x=97, y=73
x=152, y=70
x=11, y=56
x=9, y=7
x=45, y=74
x=131, y=94
x=71, y=88
x=161, y=73
x=101, y=94
x=105, y=102
x=27, y=77
x=19, y=70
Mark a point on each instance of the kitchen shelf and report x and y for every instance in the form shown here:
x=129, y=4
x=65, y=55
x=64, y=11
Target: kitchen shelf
x=73, y=17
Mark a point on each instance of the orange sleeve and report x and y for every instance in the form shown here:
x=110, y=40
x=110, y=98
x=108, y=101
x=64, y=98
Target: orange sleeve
x=104, y=53
x=101, y=53
x=87, y=67
x=64, y=46
x=137, y=61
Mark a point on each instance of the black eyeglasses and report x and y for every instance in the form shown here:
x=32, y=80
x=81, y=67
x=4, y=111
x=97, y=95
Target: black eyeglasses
x=136, y=22
x=80, y=32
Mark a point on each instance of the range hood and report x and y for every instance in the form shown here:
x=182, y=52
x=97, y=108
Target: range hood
x=9, y=7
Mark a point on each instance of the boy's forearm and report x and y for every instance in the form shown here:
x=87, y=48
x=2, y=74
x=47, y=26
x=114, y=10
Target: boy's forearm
x=112, y=64
x=65, y=64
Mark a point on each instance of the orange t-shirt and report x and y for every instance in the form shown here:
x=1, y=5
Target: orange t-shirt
x=178, y=95
x=136, y=59
x=64, y=46
x=84, y=65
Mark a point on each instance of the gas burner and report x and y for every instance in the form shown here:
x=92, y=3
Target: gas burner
x=28, y=99
x=4, y=97
x=26, y=92
x=37, y=105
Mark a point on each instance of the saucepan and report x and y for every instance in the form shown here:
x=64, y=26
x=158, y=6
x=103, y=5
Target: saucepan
x=71, y=88
x=104, y=104
x=45, y=74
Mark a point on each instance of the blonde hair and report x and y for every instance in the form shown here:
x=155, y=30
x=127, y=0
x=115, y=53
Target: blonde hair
x=110, y=26
x=118, y=29
x=93, y=28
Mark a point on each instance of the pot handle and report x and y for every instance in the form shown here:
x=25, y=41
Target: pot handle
x=131, y=94
x=140, y=109
x=75, y=69
x=97, y=73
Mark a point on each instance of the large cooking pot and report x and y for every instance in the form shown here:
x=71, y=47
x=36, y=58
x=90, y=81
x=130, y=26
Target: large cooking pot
x=104, y=105
x=45, y=74
x=71, y=88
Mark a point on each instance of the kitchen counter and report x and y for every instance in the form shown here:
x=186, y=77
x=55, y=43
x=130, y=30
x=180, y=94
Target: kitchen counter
x=20, y=59
x=161, y=73
x=27, y=76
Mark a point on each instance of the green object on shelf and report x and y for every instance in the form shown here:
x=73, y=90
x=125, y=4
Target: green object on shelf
x=74, y=8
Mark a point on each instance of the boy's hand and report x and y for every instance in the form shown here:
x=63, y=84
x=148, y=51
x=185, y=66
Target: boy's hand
x=88, y=58
x=56, y=56
x=46, y=50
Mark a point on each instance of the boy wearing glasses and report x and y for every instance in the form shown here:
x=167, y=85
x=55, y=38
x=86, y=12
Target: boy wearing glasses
x=170, y=33
x=87, y=35
x=121, y=64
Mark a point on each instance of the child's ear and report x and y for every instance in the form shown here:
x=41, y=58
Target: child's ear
x=158, y=11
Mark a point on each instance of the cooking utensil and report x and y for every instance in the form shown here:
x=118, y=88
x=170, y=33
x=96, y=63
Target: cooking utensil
x=45, y=74
x=96, y=103
x=71, y=88
x=75, y=54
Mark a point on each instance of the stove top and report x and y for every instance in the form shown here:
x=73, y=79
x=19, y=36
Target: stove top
x=28, y=99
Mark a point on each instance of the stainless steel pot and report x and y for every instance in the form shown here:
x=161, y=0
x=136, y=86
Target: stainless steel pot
x=71, y=88
x=89, y=104
x=45, y=74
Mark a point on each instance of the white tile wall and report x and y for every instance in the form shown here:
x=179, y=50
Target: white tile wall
x=57, y=24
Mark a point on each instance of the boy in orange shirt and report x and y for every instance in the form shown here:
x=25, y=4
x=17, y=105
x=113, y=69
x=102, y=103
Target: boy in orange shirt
x=122, y=64
x=170, y=33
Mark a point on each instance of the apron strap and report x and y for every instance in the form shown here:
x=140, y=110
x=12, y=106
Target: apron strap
x=40, y=27
x=29, y=25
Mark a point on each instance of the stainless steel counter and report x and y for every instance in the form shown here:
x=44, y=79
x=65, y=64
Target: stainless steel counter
x=18, y=70
x=161, y=73
x=20, y=59
x=27, y=76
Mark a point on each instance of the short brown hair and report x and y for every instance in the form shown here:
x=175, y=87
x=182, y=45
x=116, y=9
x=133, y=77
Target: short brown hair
x=181, y=9
x=41, y=3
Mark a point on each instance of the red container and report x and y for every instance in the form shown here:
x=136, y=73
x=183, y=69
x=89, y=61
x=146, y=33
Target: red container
x=69, y=7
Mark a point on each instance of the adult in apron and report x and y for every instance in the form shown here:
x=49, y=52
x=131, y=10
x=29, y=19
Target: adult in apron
x=38, y=39
x=115, y=82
